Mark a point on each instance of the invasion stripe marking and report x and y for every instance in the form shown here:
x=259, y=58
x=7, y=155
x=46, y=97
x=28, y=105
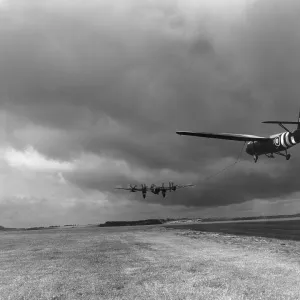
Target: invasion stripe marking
x=287, y=139
x=282, y=140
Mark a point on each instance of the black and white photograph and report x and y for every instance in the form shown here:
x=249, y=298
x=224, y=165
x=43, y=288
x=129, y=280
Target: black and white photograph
x=149, y=149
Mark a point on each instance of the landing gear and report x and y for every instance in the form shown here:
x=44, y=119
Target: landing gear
x=255, y=157
x=144, y=195
x=286, y=155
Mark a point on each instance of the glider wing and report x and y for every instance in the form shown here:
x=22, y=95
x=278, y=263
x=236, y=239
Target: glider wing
x=225, y=136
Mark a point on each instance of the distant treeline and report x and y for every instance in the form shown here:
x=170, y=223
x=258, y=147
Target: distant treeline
x=135, y=223
x=38, y=228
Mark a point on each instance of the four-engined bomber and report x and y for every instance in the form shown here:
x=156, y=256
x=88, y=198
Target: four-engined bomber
x=154, y=188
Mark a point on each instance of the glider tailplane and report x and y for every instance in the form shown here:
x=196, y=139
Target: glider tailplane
x=280, y=123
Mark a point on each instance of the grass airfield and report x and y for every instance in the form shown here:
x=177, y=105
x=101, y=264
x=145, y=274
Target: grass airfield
x=146, y=262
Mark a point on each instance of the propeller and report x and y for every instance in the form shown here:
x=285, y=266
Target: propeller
x=132, y=187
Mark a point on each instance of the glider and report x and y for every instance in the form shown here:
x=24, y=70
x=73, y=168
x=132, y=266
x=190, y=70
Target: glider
x=277, y=143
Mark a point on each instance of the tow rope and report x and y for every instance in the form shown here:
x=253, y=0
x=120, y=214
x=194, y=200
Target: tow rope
x=228, y=166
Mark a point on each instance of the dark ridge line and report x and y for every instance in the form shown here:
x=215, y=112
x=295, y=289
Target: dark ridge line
x=134, y=223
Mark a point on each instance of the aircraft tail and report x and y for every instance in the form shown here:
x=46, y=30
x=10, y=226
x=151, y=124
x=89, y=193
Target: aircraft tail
x=280, y=123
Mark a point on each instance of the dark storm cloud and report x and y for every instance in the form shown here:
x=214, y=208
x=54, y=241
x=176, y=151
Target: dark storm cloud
x=272, y=47
x=118, y=81
x=60, y=80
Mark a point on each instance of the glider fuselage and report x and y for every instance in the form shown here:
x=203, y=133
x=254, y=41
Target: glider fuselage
x=277, y=143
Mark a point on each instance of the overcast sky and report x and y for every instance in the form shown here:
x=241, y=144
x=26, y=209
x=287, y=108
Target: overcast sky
x=92, y=93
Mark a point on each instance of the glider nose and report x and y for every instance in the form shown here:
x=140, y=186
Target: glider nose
x=296, y=136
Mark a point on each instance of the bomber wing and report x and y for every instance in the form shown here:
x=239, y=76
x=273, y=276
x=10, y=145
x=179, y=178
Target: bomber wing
x=225, y=136
x=184, y=186
x=129, y=189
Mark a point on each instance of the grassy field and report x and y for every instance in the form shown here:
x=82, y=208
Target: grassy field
x=149, y=262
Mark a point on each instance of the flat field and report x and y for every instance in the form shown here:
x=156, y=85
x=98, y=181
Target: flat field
x=147, y=262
